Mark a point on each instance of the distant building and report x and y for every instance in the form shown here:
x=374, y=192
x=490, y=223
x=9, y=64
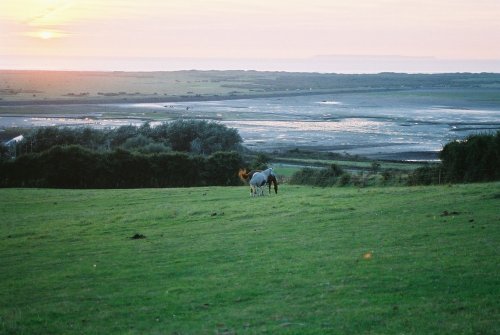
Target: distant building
x=15, y=140
x=11, y=145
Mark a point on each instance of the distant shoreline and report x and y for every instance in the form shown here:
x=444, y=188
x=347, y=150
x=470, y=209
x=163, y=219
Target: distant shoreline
x=167, y=99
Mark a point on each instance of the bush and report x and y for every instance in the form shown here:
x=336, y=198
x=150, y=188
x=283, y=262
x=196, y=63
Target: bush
x=305, y=176
x=136, y=142
x=426, y=175
x=476, y=158
x=260, y=162
x=344, y=179
x=329, y=176
x=198, y=137
x=317, y=177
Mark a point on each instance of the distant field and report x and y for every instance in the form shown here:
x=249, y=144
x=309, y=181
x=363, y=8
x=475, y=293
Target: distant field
x=420, y=260
x=106, y=86
x=98, y=87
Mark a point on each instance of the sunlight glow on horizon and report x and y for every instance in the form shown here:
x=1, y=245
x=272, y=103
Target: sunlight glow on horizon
x=236, y=29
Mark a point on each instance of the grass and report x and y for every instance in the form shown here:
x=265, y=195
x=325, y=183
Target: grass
x=420, y=260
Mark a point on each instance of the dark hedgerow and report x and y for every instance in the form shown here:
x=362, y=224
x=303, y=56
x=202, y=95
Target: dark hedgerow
x=181, y=153
x=78, y=167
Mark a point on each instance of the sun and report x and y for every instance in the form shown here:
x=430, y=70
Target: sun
x=46, y=35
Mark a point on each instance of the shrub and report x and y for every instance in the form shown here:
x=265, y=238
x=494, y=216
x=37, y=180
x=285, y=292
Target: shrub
x=136, y=142
x=344, y=179
x=476, y=158
x=198, y=137
x=305, y=176
x=317, y=177
x=328, y=176
x=426, y=175
x=260, y=161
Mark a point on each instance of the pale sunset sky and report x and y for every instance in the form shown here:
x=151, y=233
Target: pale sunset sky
x=292, y=35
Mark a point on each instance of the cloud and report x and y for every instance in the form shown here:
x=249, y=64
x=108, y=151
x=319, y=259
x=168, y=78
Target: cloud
x=50, y=15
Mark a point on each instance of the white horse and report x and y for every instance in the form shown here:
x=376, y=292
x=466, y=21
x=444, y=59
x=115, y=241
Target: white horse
x=258, y=180
x=271, y=180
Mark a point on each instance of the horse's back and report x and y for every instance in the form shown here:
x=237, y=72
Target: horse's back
x=258, y=179
x=268, y=172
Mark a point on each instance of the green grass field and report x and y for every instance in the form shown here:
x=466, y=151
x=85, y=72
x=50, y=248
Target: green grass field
x=419, y=260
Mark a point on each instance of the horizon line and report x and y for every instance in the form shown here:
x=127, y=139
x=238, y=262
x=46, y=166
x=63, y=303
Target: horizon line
x=346, y=64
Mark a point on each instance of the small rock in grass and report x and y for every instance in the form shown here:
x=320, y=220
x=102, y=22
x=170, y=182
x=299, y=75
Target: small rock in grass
x=368, y=255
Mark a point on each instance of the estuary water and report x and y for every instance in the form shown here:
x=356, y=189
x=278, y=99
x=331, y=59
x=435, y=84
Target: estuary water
x=378, y=125
x=382, y=125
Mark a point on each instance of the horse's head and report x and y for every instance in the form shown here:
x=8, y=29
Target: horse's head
x=272, y=180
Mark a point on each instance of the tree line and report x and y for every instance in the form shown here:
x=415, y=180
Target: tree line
x=193, y=136
x=474, y=159
x=177, y=154
x=197, y=153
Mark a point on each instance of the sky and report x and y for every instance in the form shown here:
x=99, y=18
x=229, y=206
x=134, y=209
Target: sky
x=290, y=35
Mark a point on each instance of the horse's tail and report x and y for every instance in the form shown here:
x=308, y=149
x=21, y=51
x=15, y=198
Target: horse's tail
x=242, y=173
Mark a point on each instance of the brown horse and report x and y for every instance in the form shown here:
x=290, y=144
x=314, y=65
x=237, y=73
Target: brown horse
x=246, y=176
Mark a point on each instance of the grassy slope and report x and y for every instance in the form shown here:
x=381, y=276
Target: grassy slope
x=216, y=261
